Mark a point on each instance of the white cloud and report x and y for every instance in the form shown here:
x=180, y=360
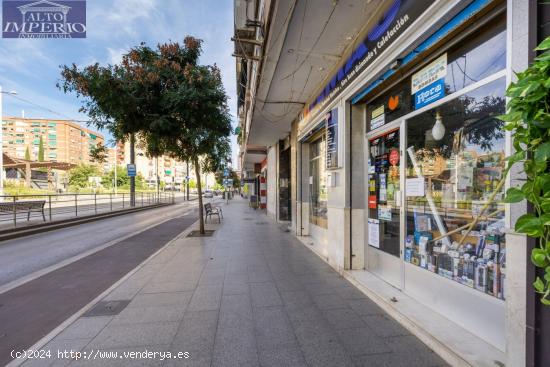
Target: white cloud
x=115, y=55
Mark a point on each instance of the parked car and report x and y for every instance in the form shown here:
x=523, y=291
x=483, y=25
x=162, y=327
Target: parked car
x=208, y=194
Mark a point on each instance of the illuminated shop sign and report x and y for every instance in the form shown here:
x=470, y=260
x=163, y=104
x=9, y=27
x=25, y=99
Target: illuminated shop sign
x=395, y=21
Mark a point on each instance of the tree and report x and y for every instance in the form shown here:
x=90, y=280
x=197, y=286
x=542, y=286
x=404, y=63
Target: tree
x=99, y=153
x=164, y=97
x=27, y=154
x=191, y=121
x=41, y=150
x=80, y=176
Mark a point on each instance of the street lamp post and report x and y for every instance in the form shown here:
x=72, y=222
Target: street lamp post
x=2, y=141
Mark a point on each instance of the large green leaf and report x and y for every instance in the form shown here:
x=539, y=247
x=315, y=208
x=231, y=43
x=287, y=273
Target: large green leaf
x=543, y=151
x=538, y=257
x=544, y=45
x=530, y=225
x=514, y=195
x=545, y=205
x=539, y=285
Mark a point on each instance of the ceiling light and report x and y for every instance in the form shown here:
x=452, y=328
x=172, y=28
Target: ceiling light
x=438, y=131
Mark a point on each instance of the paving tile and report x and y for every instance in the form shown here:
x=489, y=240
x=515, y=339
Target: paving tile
x=264, y=294
x=393, y=360
x=350, y=293
x=282, y=357
x=84, y=327
x=359, y=341
x=365, y=307
x=236, y=311
x=412, y=346
x=327, y=354
x=385, y=326
x=296, y=299
x=235, y=347
x=329, y=301
x=169, y=286
x=161, y=299
x=196, y=335
x=232, y=287
x=273, y=329
x=138, y=315
x=343, y=318
x=206, y=298
x=135, y=335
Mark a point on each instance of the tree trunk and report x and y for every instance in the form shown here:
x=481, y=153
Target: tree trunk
x=199, y=191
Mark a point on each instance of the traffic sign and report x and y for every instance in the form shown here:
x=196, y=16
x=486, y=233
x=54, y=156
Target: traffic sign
x=131, y=169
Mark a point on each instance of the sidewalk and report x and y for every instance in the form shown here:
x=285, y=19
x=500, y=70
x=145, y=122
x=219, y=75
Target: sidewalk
x=251, y=295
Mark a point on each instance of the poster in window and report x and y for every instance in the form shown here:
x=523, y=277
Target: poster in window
x=332, y=139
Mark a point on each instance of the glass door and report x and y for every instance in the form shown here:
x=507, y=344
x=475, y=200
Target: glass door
x=385, y=207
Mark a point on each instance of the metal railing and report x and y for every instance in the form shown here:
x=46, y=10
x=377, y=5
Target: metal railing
x=20, y=210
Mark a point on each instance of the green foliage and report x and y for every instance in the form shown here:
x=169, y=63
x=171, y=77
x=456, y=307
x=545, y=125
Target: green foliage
x=99, y=154
x=122, y=179
x=41, y=150
x=192, y=184
x=79, y=176
x=163, y=95
x=27, y=154
x=528, y=118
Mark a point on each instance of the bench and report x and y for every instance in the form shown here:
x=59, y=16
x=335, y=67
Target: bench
x=24, y=206
x=209, y=211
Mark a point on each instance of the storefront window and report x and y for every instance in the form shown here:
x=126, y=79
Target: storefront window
x=455, y=160
x=384, y=189
x=481, y=56
x=318, y=182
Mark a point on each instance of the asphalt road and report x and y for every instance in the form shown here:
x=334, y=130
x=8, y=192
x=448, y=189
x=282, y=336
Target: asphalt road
x=24, y=256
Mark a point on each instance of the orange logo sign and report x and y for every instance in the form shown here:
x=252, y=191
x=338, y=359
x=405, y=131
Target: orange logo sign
x=393, y=102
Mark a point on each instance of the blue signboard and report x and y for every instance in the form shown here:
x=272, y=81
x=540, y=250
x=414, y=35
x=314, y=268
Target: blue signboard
x=131, y=168
x=429, y=94
x=332, y=139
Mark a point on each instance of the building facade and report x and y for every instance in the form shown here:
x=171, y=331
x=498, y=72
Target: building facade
x=62, y=140
x=373, y=126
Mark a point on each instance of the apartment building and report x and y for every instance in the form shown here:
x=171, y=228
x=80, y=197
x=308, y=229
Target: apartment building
x=62, y=140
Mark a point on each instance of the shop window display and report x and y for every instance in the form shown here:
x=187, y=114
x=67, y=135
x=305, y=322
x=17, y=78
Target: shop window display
x=455, y=159
x=383, y=199
x=318, y=182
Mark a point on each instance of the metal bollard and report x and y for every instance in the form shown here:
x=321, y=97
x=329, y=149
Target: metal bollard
x=50, y=206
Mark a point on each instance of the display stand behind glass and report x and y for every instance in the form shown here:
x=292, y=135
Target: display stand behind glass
x=384, y=193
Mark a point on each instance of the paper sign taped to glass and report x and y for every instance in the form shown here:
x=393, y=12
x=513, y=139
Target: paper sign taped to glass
x=374, y=232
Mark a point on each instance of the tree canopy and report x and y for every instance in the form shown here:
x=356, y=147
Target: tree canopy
x=173, y=104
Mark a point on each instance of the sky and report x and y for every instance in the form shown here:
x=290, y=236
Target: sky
x=31, y=67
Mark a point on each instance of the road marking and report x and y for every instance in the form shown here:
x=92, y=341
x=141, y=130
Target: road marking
x=65, y=324
x=37, y=274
